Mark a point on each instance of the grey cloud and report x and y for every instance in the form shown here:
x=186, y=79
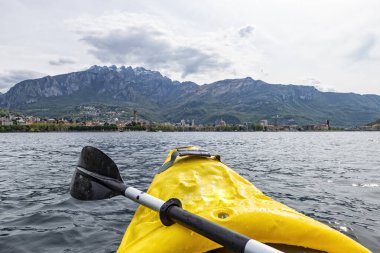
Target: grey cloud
x=12, y=77
x=144, y=45
x=194, y=60
x=246, y=31
x=4, y=85
x=363, y=52
x=316, y=83
x=61, y=61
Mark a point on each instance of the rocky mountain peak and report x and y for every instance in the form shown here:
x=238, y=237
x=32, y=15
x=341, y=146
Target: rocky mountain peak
x=137, y=71
x=104, y=69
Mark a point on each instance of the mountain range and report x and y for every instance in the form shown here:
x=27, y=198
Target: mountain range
x=158, y=98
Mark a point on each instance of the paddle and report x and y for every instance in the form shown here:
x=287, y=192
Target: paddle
x=97, y=177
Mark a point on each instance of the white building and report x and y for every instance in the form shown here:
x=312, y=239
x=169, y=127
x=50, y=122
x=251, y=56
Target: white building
x=6, y=121
x=20, y=122
x=263, y=122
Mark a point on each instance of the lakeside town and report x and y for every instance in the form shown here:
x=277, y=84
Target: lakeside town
x=11, y=122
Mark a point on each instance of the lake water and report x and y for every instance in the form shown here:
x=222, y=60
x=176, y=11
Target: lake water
x=333, y=177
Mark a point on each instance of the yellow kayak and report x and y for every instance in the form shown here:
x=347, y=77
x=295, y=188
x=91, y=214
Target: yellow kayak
x=212, y=190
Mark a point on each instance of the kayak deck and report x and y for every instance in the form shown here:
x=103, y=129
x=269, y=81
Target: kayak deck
x=214, y=191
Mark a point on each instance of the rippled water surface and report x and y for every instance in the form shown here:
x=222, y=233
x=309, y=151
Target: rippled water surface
x=332, y=177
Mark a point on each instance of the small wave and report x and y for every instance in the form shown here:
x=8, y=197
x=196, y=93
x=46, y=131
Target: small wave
x=344, y=228
x=370, y=185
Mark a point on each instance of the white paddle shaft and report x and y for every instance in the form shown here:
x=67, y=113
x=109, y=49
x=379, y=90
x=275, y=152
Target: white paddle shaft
x=144, y=198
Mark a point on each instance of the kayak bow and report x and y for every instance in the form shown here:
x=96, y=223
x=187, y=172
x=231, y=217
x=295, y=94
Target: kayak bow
x=212, y=190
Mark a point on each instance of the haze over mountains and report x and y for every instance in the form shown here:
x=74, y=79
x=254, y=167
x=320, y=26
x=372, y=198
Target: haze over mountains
x=158, y=98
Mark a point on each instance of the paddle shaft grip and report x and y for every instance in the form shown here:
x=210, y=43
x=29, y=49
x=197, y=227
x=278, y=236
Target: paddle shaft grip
x=144, y=198
x=232, y=240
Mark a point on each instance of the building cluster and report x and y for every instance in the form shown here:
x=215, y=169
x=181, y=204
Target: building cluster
x=12, y=120
x=135, y=121
x=17, y=120
x=295, y=127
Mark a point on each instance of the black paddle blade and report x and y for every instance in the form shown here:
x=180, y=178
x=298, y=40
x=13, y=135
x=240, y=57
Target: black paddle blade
x=96, y=177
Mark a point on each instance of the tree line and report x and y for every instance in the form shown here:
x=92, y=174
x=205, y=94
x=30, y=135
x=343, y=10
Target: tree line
x=54, y=127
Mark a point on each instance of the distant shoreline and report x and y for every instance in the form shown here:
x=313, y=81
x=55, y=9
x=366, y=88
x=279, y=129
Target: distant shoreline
x=53, y=127
x=137, y=131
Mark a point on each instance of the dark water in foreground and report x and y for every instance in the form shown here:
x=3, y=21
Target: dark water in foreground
x=332, y=177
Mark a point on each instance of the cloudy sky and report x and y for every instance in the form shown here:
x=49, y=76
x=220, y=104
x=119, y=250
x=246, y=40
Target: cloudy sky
x=331, y=44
